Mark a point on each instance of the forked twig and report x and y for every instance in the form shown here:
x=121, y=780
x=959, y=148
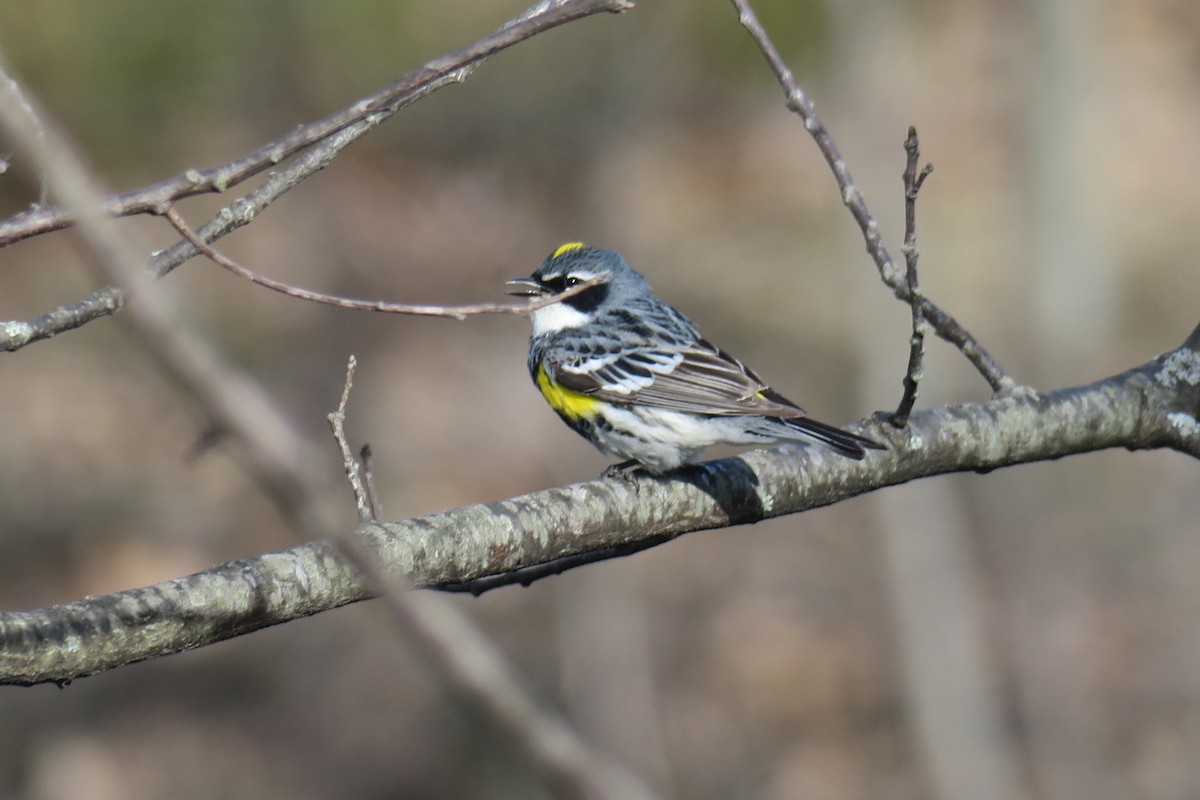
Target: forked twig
x=913, y=181
x=354, y=472
x=797, y=101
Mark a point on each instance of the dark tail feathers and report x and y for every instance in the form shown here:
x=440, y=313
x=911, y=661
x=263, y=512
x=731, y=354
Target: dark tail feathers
x=848, y=444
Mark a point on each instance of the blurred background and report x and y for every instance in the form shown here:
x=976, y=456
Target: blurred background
x=1024, y=634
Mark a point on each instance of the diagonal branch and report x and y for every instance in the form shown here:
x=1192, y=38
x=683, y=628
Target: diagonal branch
x=1156, y=405
x=465, y=657
x=893, y=277
x=317, y=145
x=387, y=101
x=478, y=668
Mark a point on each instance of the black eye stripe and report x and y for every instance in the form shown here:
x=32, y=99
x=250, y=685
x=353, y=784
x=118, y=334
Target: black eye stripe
x=559, y=283
x=589, y=299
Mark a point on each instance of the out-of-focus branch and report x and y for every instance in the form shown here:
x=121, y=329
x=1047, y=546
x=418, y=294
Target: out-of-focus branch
x=475, y=668
x=449, y=68
x=1156, y=405
x=275, y=455
x=13, y=92
x=893, y=277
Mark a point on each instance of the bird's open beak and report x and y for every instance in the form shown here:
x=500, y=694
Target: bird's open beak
x=525, y=287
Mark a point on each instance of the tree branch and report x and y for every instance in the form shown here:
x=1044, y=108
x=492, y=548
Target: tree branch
x=317, y=144
x=913, y=180
x=279, y=460
x=104, y=302
x=1156, y=405
x=384, y=103
x=893, y=277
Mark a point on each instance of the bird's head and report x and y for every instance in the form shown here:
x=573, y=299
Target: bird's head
x=569, y=265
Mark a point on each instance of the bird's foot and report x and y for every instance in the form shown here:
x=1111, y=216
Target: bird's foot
x=625, y=470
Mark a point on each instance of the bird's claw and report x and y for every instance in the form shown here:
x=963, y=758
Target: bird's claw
x=625, y=470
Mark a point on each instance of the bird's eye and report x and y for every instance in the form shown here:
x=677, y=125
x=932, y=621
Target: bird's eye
x=573, y=280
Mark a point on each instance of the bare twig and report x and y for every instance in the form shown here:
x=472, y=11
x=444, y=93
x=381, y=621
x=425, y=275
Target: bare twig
x=913, y=181
x=354, y=473
x=104, y=302
x=454, y=312
x=386, y=101
x=474, y=663
x=797, y=101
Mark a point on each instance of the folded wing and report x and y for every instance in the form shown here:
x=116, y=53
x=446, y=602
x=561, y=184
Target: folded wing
x=699, y=378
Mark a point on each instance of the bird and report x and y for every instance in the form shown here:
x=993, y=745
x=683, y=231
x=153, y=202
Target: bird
x=635, y=377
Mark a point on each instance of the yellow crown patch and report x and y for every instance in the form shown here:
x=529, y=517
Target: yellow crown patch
x=566, y=248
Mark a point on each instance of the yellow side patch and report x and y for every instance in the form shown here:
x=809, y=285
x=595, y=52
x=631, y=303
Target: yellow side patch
x=567, y=402
x=566, y=248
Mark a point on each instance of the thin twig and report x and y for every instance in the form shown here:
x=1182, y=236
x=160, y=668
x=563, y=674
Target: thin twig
x=913, y=180
x=337, y=422
x=945, y=325
x=477, y=667
x=454, y=312
x=391, y=98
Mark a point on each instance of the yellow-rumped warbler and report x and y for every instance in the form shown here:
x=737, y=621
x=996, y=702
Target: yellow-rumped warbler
x=635, y=378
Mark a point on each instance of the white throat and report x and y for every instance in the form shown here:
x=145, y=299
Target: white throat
x=556, y=317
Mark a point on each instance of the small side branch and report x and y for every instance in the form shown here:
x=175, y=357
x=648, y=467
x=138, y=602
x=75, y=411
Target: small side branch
x=15, y=334
x=476, y=667
x=354, y=471
x=943, y=324
x=913, y=181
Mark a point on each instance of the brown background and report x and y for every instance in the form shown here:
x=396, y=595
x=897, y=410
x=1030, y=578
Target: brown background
x=1054, y=604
